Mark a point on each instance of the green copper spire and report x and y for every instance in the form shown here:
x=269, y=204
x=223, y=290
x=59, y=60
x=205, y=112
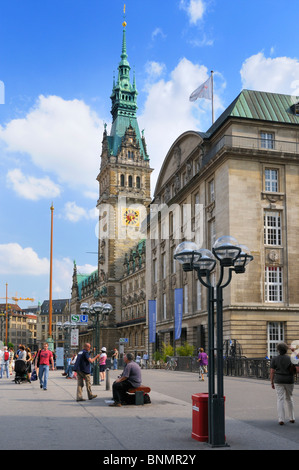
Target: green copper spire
x=124, y=103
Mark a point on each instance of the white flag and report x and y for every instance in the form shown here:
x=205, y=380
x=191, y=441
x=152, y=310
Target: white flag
x=203, y=91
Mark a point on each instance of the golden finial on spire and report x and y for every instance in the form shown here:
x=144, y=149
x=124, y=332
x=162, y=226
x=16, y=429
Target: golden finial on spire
x=124, y=23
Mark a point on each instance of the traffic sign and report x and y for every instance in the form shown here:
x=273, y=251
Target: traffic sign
x=123, y=340
x=79, y=318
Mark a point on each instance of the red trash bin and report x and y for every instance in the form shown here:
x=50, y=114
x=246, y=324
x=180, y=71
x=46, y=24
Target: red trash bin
x=200, y=417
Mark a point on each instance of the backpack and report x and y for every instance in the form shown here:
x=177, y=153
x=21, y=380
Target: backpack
x=146, y=398
x=6, y=356
x=33, y=376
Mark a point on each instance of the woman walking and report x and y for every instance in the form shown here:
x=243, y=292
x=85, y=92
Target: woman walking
x=203, y=363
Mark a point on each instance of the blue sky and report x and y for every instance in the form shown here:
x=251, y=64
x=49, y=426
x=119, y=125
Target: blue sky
x=57, y=61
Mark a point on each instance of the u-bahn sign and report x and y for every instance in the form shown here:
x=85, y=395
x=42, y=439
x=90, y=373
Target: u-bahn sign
x=123, y=340
x=79, y=318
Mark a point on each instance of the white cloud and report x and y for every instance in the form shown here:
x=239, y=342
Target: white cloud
x=30, y=187
x=75, y=213
x=18, y=261
x=62, y=276
x=168, y=113
x=275, y=75
x=154, y=69
x=62, y=137
x=21, y=261
x=158, y=32
x=194, y=8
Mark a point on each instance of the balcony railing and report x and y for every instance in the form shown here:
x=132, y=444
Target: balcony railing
x=251, y=143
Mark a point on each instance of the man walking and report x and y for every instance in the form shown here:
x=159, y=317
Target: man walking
x=82, y=367
x=115, y=358
x=45, y=357
x=130, y=378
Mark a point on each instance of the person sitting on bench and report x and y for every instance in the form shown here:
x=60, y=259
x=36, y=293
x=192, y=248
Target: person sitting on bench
x=130, y=378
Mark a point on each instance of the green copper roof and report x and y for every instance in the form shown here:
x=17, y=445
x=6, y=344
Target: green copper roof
x=124, y=105
x=262, y=106
x=81, y=278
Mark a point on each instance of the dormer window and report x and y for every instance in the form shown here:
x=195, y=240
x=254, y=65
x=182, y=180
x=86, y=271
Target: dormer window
x=295, y=109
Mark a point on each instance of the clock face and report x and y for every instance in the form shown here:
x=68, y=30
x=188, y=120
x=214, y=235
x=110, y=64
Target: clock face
x=130, y=217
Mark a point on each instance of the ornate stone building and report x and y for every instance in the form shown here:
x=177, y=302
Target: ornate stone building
x=124, y=197
x=240, y=178
x=132, y=323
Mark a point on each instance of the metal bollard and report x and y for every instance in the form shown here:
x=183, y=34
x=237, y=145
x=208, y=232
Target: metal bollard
x=107, y=379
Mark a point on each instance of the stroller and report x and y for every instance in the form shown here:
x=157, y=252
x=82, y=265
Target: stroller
x=21, y=371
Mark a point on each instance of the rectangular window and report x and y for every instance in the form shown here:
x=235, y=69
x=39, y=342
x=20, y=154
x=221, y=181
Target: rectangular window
x=267, y=140
x=155, y=270
x=273, y=284
x=212, y=233
x=164, y=307
x=272, y=228
x=275, y=335
x=271, y=180
x=211, y=191
x=173, y=261
x=184, y=214
x=196, y=210
x=186, y=298
x=198, y=295
x=163, y=266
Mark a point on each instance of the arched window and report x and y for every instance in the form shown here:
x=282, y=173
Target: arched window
x=122, y=180
x=138, y=182
x=130, y=181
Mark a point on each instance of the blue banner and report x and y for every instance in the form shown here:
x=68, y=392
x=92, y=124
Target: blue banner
x=152, y=317
x=178, y=313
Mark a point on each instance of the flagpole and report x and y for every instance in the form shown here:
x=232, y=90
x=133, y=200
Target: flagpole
x=212, y=77
x=50, y=339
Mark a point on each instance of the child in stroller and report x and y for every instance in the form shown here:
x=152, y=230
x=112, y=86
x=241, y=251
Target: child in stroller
x=21, y=371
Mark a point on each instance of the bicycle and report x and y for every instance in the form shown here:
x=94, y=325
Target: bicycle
x=171, y=365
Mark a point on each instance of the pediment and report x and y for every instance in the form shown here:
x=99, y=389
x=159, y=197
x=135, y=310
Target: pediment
x=177, y=157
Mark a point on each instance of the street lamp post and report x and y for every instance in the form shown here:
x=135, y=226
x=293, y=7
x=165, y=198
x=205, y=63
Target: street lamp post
x=235, y=257
x=98, y=313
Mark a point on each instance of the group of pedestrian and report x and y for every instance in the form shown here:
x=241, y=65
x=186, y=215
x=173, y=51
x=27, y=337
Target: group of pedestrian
x=282, y=378
x=130, y=377
x=41, y=361
x=8, y=357
x=36, y=362
x=69, y=371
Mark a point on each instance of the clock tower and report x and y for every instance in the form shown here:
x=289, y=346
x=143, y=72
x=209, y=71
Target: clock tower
x=124, y=186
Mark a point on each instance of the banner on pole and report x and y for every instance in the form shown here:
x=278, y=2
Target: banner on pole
x=75, y=337
x=178, y=313
x=152, y=317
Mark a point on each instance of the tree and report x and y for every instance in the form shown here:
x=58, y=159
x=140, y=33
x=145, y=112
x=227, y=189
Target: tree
x=185, y=350
x=167, y=350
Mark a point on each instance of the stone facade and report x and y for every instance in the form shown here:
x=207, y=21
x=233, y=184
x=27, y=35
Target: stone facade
x=243, y=173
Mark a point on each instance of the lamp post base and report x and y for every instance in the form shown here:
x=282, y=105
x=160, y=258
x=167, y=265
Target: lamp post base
x=217, y=433
x=96, y=374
